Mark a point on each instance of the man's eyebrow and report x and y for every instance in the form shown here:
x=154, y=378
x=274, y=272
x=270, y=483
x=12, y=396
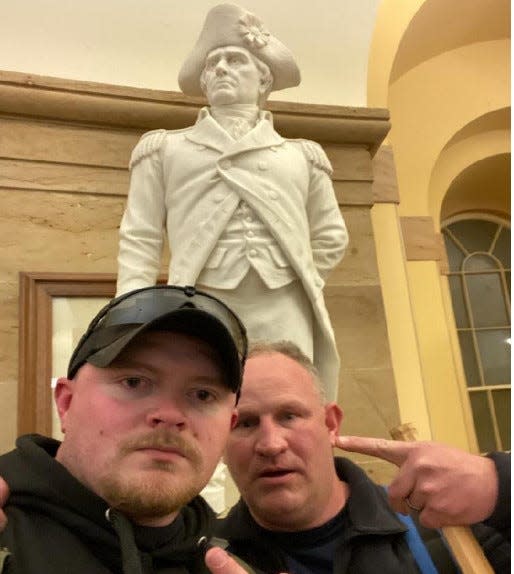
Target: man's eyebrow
x=149, y=368
x=130, y=363
x=242, y=410
x=281, y=407
x=292, y=404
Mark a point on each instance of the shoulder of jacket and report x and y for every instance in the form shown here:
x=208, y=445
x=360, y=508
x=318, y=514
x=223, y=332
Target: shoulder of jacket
x=150, y=142
x=315, y=154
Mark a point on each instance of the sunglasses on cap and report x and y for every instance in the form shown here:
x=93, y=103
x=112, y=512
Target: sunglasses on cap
x=164, y=307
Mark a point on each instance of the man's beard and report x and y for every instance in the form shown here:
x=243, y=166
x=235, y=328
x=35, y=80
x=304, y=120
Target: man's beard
x=156, y=491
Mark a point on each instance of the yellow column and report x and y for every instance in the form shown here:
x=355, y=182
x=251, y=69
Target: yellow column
x=400, y=322
x=439, y=364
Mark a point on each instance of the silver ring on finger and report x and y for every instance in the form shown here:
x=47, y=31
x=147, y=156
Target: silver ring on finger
x=412, y=506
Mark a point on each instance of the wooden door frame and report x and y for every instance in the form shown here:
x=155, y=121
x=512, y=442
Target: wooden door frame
x=36, y=292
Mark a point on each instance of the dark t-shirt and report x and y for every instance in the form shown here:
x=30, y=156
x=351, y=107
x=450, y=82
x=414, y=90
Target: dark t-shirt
x=150, y=538
x=312, y=551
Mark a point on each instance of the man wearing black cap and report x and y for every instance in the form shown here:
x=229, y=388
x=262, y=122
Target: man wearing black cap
x=146, y=408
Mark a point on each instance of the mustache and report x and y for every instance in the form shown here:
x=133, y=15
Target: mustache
x=162, y=438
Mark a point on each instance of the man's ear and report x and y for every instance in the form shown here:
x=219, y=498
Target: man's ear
x=63, y=395
x=233, y=420
x=333, y=419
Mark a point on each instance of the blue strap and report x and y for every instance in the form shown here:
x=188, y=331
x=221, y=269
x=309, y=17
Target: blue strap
x=417, y=546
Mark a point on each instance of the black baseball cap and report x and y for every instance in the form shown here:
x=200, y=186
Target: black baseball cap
x=166, y=308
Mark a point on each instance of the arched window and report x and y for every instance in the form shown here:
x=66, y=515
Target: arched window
x=479, y=260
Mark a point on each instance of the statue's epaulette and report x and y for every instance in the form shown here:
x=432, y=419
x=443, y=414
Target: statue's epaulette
x=148, y=144
x=316, y=155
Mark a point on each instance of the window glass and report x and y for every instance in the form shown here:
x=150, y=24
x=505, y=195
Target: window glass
x=480, y=262
x=502, y=248
x=494, y=349
x=454, y=253
x=483, y=421
x=472, y=236
x=486, y=300
x=469, y=358
x=480, y=290
x=459, y=308
x=502, y=403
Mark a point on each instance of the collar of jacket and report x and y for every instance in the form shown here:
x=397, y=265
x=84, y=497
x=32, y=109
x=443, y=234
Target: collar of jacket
x=367, y=506
x=207, y=132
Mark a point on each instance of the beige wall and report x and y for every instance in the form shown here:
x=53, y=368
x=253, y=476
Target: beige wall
x=448, y=90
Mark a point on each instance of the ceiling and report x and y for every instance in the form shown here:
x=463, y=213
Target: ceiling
x=443, y=25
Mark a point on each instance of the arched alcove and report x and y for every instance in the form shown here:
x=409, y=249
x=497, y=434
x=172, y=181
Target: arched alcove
x=443, y=71
x=472, y=171
x=483, y=186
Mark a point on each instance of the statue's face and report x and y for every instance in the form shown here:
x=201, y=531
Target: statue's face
x=231, y=76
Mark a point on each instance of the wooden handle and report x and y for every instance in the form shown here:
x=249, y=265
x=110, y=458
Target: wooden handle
x=463, y=544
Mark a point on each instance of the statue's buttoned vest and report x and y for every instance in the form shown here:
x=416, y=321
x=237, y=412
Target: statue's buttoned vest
x=246, y=243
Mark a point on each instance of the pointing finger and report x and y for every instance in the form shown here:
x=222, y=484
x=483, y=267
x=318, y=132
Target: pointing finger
x=390, y=450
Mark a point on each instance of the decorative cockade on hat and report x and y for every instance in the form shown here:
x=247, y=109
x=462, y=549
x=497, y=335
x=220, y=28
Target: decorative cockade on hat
x=253, y=31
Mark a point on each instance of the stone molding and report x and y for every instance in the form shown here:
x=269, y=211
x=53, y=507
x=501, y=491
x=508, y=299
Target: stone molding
x=89, y=102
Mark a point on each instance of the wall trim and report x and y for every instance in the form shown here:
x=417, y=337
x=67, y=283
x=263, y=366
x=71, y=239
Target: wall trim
x=105, y=104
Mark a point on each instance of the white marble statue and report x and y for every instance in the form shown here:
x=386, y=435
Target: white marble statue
x=250, y=216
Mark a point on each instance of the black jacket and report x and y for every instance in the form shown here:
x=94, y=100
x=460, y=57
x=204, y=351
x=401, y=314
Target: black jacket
x=57, y=526
x=374, y=542
x=494, y=533
x=500, y=518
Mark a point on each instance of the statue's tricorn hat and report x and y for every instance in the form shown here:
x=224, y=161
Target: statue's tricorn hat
x=230, y=25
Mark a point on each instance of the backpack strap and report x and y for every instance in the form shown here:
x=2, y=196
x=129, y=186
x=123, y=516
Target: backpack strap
x=437, y=546
x=417, y=546
x=428, y=546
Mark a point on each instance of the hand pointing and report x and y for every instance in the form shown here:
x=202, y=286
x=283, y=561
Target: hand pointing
x=447, y=485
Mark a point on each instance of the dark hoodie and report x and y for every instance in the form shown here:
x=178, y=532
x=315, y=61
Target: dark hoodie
x=58, y=526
